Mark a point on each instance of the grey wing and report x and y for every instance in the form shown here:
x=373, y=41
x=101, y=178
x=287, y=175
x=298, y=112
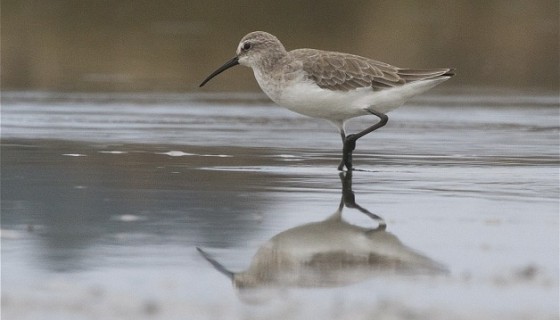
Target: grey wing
x=344, y=72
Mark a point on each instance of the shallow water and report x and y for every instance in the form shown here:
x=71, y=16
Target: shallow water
x=105, y=199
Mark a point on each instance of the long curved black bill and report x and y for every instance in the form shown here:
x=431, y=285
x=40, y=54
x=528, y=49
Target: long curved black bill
x=231, y=63
x=218, y=266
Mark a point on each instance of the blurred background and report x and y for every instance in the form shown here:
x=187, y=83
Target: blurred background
x=171, y=45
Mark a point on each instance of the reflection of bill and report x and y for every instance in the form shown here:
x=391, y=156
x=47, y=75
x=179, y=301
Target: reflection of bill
x=332, y=252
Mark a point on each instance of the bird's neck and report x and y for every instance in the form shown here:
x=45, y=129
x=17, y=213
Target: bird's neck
x=274, y=59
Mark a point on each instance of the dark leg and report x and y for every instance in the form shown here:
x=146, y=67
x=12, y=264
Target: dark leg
x=345, y=155
x=349, y=142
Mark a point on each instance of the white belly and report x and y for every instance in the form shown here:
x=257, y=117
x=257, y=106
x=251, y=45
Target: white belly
x=307, y=98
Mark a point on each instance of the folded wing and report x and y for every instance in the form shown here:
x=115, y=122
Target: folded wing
x=345, y=72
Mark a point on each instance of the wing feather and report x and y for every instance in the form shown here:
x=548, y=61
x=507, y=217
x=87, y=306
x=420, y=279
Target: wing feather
x=345, y=72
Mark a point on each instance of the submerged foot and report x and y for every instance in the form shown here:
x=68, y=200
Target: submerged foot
x=346, y=164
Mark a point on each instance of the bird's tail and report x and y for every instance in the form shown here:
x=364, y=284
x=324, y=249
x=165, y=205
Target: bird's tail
x=411, y=75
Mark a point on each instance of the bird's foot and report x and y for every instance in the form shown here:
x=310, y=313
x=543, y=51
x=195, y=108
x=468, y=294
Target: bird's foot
x=347, y=149
x=346, y=163
x=343, y=164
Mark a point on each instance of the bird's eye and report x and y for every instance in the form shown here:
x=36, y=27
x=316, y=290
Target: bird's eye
x=247, y=46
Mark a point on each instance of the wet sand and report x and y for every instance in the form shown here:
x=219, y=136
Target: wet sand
x=105, y=199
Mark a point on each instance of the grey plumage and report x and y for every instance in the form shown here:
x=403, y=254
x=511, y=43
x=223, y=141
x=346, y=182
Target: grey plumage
x=345, y=72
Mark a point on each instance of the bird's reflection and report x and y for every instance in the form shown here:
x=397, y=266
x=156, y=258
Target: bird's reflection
x=330, y=253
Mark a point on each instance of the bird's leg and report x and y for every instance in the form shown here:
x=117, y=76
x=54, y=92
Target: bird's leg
x=346, y=156
x=348, y=146
x=349, y=141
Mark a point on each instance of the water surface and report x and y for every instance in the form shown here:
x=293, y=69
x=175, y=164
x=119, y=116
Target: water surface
x=105, y=199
